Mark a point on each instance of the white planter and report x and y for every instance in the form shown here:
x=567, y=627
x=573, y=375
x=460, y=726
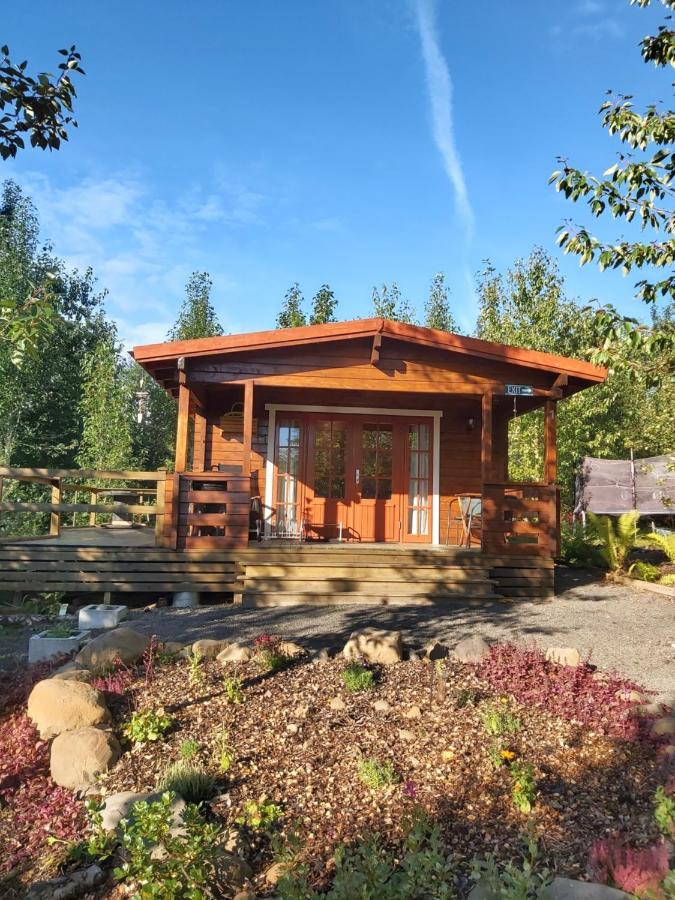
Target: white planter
x=101, y=615
x=42, y=647
x=185, y=600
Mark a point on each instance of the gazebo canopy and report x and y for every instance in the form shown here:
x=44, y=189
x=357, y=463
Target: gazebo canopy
x=615, y=486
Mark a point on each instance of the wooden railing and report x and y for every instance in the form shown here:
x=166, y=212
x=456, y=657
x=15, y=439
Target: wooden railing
x=207, y=511
x=520, y=518
x=63, y=482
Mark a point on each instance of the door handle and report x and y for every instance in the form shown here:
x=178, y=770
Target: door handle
x=358, y=476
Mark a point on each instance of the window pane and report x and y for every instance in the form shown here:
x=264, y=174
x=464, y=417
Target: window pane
x=368, y=488
x=384, y=463
x=413, y=437
x=294, y=461
x=282, y=460
x=424, y=436
x=414, y=464
x=423, y=464
x=384, y=489
x=321, y=486
x=338, y=488
x=369, y=463
x=294, y=432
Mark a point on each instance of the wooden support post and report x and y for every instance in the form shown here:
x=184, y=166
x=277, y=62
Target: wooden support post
x=248, y=428
x=93, y=498
x=199, y=438
x=486, y=457
x=159, y=518
x=182, y=427
x=550, y=444
x=55, y=517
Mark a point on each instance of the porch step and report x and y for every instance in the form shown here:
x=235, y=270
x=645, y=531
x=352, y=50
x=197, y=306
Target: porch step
x=284, y=598
x=331, y=586
x=402, y=573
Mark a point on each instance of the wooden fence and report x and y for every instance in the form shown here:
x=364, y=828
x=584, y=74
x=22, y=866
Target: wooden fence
x=520, y=518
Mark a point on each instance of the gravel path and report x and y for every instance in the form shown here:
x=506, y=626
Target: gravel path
x=627, y=631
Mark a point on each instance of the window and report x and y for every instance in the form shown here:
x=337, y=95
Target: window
x=419, y=466
x=288, y=470
x=376, y=462
x=329, y=459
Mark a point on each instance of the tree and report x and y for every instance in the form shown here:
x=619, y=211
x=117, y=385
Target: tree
x=323, y=306
x=40, y=107
x=106, y=435
x=388, y=304
x=437, y=309
x=196, y=318
x=292, y=314
x=527, y=307
x=637, y=188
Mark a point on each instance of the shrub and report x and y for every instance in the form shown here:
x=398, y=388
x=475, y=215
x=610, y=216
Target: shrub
x=377, y=775
x=524, y=786
x=420, y=868
x=225, y=754
x=644, y=571
x=665, y=542
x=116, y=681
x=162, y=862
x=268, y=649
x=188, y=749
x=580, y=549
x=634, y=871
x=147, y=726
x=512, y=882
x=189, y=781
x=233, y=690
x=196, y=675
x=566, y=691
x=664, y=812
x=499, y=719
x=357, y=677
x=667, y=579
x=617, y=538
x=259, y=814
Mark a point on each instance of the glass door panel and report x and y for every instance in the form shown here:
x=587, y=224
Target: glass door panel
x=376, y=462
x=288, y=447
x=419, y=468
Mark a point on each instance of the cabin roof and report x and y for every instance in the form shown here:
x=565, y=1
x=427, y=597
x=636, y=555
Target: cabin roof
x=148, y=355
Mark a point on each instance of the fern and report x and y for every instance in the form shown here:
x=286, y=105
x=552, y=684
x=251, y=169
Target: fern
x=665, y=542
x=616, y=538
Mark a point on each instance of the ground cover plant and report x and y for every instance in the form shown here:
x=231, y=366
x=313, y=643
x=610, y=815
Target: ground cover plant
x=420, y=793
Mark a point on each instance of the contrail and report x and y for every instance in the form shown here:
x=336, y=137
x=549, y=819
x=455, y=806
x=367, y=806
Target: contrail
x=439, y=84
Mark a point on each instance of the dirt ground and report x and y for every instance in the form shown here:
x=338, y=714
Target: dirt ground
x=627, y=631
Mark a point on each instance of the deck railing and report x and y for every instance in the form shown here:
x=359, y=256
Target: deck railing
x=520, y=518
x=139, y=486
x=206, y=510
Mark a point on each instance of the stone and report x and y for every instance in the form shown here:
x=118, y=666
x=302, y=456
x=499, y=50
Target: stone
x=208, y=648
x=292, y=728
x=337, y=703
x=42, y=647
x=664, y=727
x=301, y=712
x=275, y=872
x=119, y=806
x=375, y=646
x=77, y=757
x=568, y=889
x=57, y=705
x=101, y=615
x=74, y=884
x=72, y=671
x=235, y=653
x=472, y=650
x=381, y=706
x=124, y=644
x=564, y=656
x=231, y=870
x=405, y=735
x=413, y=656
x=413, y=713
x=323, y=656
x=436, y=650
x=172, y=646
x=291, y=650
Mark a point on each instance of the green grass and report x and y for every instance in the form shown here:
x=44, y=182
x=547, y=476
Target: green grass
x=357, y=678
x=377, y=775
x=188, y=780
x=498, y=719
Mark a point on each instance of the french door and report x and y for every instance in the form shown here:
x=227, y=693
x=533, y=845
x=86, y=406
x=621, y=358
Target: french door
x=355, y=477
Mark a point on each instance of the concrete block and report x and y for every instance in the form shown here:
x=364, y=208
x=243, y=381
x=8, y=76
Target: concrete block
x=101, y=615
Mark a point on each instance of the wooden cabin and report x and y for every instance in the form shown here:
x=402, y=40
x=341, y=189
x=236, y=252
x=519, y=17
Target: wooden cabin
x=356, y=436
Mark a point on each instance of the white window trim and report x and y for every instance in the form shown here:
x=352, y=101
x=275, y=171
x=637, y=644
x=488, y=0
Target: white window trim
x=435, y=414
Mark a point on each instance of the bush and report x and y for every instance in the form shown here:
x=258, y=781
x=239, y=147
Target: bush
x=664, y=812
x=419, y=869
x=259, y=814
x=499, y=719
x=268, y=649
x=147, y=726
x=644, y=571
x=617, y=537
x=639, y=872
x=580, y=549
x=377, y=775
x=358, y=678
x=512, y=882
x=189, y=781
x=566, y=691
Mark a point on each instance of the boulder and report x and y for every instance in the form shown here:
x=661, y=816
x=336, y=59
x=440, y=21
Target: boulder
x=291, y=650
x=564, y=656
x=375, y=646
x=208, y=648
x=56, y=705
x=381, y=706
x=568, y=889
x=103, y=651
x=72, y=671
x=235, y=653
x=119, y=806
x=436, y=650
x=77, y=757
x=65, y=887
x=473, y=649
x=171, y=646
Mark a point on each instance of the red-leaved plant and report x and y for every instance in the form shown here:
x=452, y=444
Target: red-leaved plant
x=603, y=702
x=639, y=872
x=267, y=643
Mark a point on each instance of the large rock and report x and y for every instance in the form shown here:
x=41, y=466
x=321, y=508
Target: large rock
x=567, y=889
x=65, y=887
x=209, y=649
x=77, y=757
x=235, y=653
x=122, y=643
x=72, y=671
x=56, y=705
x=119, y=806
x=436, y=650
x=564, y=656
x=291, y=650
x=375, y=646
x=473, y=649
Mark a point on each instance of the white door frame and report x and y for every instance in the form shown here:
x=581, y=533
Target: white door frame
x=435, y=414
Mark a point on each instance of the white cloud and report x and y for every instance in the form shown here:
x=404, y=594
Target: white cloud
x=590, y=7
x=133, y=333
x=440, y=87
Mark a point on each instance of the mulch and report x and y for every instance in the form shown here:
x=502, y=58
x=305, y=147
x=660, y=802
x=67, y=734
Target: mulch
x=292, y=748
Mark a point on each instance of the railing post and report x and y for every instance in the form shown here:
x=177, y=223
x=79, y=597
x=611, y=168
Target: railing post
x=550, y=445
x=93, y=499
x=182, y=425
x=55, y=517
x=248, y=428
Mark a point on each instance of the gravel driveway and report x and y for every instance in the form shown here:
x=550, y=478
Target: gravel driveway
x=627, y=631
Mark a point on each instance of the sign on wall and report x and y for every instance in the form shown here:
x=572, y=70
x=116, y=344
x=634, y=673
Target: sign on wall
x=518, y=390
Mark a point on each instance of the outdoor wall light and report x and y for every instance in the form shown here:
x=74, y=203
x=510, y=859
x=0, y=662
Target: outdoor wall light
x=471, y=423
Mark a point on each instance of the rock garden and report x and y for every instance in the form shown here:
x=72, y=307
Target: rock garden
x=148, y=769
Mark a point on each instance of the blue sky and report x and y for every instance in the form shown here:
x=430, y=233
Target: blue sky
x=342, y=141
